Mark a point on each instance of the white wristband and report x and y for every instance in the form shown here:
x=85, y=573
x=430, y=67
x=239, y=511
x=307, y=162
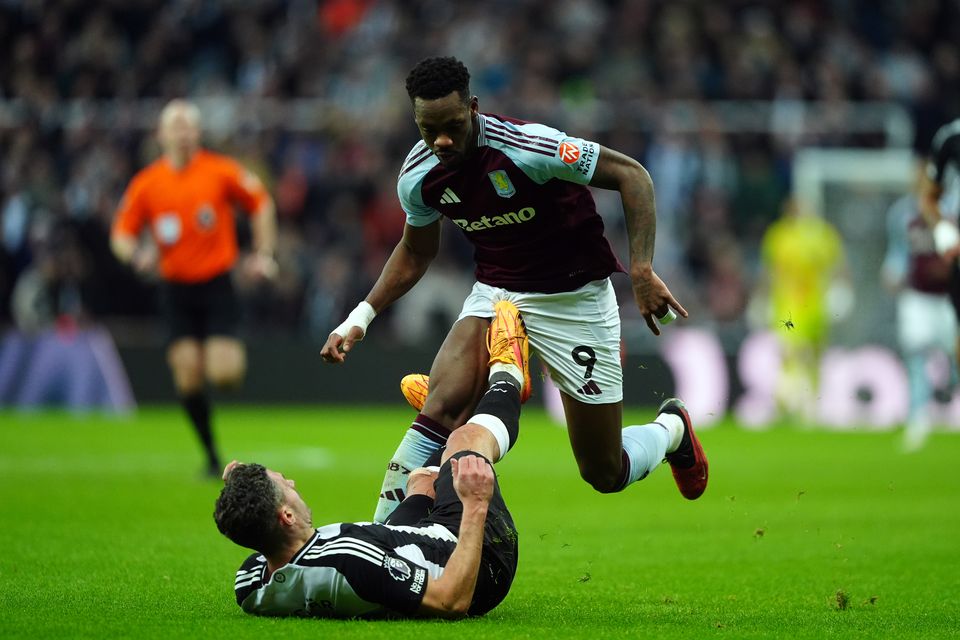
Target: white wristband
x=668, y=317
x=361, y=317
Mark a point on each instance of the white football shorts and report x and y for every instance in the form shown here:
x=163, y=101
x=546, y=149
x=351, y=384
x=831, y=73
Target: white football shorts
x=925, y=321
x=575, y=333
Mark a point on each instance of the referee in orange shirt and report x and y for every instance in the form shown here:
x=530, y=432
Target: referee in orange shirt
x=186, y=200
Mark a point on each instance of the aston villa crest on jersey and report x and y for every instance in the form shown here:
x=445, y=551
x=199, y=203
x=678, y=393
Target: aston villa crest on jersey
x=533, y=205
x=501, y=182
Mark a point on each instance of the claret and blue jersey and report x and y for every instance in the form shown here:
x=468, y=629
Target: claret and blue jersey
x=522, y=201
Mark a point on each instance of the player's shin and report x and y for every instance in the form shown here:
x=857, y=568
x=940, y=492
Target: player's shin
x=424, y=437
x=499, y=410
x=197, y=407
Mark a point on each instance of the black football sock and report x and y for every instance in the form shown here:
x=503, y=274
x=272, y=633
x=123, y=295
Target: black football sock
x=502, y=400
x=197, y=406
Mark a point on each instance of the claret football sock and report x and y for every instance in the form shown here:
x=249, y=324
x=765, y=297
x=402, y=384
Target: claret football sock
x=424, y=437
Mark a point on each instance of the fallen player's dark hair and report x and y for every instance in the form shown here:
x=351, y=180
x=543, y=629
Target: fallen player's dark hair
x=434, y=78
x=246, y=511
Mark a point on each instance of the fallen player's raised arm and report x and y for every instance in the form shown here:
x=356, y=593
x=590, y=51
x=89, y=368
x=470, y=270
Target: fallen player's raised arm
x=451, y=594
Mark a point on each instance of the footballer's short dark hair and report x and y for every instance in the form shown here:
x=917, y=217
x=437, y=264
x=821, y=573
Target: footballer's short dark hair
x=246, y=511
x=434, y=78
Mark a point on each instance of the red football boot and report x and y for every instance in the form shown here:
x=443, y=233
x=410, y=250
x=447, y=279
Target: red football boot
x=688, y=462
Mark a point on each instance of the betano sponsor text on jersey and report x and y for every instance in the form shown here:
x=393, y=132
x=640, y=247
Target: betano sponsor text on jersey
x=489, y=222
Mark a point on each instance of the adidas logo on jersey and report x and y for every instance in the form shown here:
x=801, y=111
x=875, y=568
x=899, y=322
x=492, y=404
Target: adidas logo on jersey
x=590, y=389
x=449, y=197
x=489, y=222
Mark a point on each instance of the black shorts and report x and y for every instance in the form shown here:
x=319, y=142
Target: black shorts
x=498, y=562
x=954, y=286
x=200, y=310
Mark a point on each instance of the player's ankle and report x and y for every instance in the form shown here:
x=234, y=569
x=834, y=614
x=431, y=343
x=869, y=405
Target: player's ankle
x=515, y=373
x=673, y=424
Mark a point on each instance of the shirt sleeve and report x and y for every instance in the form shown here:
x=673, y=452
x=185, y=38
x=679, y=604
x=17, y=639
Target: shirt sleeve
x=245, y=188
x=411, y=199
x=396, y=583
x=249, y=577
x=544, y=153
x=131, y=214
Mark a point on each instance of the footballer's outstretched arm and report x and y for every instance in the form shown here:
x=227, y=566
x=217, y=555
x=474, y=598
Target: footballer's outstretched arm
x=129, y=220
x=263, y=227
x=404, y=268
x=406, y=265
x=130, y=251
x=123, y=247
x=622, y=173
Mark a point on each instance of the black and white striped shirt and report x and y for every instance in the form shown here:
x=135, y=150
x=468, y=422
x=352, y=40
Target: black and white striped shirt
x=349, y=570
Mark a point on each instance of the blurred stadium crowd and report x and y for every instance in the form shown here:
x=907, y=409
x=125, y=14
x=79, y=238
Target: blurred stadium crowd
x=713, y=98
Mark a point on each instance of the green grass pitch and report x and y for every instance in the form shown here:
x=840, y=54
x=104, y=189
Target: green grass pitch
x=106, y=531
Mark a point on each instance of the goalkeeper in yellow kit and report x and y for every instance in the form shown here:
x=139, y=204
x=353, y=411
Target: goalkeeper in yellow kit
x=802, y=255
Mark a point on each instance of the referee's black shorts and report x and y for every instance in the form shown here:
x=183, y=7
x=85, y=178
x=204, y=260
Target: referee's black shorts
x=498, y=562
x=200, y=310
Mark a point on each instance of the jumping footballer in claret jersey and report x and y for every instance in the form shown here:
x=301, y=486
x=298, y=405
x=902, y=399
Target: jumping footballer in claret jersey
x=518, y=191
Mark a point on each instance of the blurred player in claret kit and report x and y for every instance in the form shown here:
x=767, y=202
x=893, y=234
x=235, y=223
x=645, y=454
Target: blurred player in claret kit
x=518, y=191
x=943, y=176
x=185, y=199
x=915, y=269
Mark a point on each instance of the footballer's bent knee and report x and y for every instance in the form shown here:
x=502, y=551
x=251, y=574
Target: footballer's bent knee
x=603, y=480
x=473, y=437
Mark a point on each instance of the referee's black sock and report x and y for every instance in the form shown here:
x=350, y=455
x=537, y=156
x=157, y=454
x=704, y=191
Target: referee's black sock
x=502, y=400
x=197, y=406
